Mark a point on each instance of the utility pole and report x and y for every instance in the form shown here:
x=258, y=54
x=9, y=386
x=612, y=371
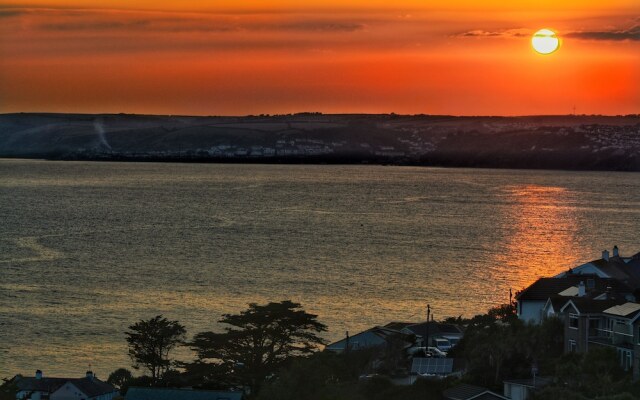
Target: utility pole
x=426, y=339
x=346, y=345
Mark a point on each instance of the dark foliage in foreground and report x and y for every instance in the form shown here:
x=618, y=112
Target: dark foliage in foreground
x=8, y=389
x=151, y=341
x=256, y=343
x=330, y=376
x=120, y=378
x=272, y=350
x=593, y=375
x=499, y=346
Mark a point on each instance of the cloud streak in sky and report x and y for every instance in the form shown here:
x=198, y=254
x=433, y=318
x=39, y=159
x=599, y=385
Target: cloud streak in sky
x=195, y=57
x=99, y=21
x=505, y=33
x=630, y=34
x=10, y=13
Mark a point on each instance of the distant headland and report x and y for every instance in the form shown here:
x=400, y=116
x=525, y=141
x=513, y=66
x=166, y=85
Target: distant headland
x=571, y=142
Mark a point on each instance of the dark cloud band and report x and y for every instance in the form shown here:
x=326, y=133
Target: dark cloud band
x=631, y=34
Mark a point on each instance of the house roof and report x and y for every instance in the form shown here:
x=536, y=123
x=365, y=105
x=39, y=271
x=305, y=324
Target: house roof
x=570, y=291
x=381, y=333
x=41, y=385
x=398, y=325
x=489, y=396
x=470, y=392
x=625, y=269
x=557, y=302
x=544, y=288
x=585, y=305
x=435, y=328
x=624, y=310
x=146, y=393
x=91, y=387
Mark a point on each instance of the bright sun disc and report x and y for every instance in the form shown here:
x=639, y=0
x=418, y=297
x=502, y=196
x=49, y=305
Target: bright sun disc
x=545, y=41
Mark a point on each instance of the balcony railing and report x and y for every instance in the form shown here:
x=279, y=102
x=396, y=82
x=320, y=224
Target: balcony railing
x=619, y=335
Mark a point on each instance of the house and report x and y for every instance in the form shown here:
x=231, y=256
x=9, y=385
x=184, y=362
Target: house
x=623, y=269
x=544, y=297
x=374, y=337
x=41, y=388
x=612, y=323
x=440, y=335
x=620, y=329
x=471, y=392
x=598, y=303
x=583, y=321
x=147, y=393
x=522, y=389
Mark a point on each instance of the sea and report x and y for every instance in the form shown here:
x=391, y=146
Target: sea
x=89, y=248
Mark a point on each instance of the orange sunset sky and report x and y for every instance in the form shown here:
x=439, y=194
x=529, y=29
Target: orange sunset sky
x=238, y=57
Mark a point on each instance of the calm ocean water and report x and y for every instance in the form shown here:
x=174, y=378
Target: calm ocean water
x=87, y=249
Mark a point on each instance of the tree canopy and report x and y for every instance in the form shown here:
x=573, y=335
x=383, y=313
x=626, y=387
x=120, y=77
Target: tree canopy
x=151, y=341
x=596, y=374
x=8, y=389
x=259, y=340
x=119, y=377
x=499, y=346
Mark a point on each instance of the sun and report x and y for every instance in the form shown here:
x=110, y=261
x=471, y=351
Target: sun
x=545, y=41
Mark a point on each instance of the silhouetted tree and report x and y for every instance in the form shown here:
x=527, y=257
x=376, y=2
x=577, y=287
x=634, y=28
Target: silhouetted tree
x=120, y=377
x=259, y=341
x=8, y=389
x=150, y=343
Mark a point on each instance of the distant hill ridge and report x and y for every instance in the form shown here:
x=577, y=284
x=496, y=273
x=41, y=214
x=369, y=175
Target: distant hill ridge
x=573, y=142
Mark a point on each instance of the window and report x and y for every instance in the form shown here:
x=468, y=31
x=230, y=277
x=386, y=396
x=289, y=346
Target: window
x=572, y=346
x=573, y=322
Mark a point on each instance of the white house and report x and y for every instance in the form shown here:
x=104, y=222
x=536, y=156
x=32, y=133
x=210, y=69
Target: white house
x=41, y=388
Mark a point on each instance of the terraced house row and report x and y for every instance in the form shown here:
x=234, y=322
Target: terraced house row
x=599, y=302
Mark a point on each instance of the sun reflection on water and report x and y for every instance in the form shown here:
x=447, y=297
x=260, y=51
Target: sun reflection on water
x=541, y=234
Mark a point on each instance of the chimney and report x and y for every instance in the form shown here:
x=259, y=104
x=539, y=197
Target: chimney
x=615, y=251
x=605, y=255
x=90, y=375
x=38, y=374
x=581, y=289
